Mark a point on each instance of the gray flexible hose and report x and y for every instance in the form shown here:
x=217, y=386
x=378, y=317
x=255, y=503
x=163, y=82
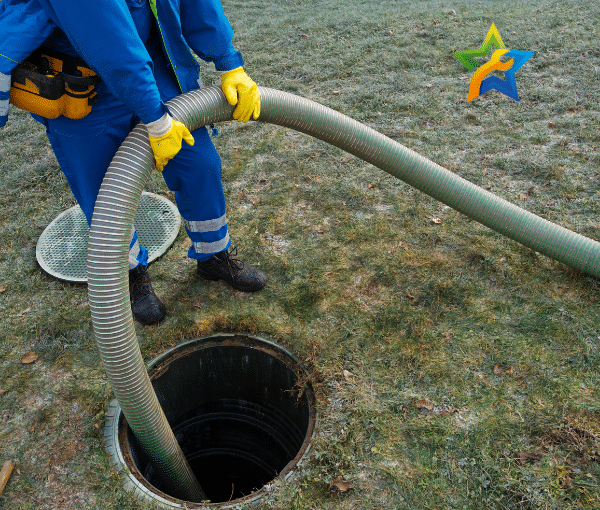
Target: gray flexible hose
x=120, y=194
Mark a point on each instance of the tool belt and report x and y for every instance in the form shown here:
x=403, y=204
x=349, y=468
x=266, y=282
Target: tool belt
x=50, y=84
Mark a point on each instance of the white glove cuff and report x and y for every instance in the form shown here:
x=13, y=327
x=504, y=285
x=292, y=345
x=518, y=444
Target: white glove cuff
x=160, y=127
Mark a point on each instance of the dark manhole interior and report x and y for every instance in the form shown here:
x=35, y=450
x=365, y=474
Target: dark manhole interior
x=241, y=408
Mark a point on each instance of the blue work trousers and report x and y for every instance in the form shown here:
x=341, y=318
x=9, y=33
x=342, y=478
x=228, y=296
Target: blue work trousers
x=84, y=149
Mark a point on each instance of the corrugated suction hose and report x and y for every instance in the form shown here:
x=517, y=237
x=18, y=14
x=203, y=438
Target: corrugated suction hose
x=120, y=194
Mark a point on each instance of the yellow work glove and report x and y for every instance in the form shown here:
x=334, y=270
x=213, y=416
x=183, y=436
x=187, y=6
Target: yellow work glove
x=166, y=137
x=240, y=89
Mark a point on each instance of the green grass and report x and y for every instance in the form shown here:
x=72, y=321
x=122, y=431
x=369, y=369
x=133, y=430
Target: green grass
x=501, y=341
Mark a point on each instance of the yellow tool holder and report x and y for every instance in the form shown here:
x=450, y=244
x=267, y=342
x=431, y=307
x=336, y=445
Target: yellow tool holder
x=51, y=84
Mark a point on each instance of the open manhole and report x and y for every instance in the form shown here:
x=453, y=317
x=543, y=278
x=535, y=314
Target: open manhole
x=242, y=410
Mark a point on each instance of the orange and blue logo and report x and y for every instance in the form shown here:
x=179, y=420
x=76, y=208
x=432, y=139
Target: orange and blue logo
x=480, y=81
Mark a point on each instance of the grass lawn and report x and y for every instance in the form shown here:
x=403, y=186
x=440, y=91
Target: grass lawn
x=453, y=367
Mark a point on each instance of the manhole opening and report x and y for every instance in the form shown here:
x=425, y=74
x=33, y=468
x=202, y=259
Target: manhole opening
x=241, y=409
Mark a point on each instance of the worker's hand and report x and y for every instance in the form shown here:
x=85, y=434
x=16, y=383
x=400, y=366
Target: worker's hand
x=166, y=137
x=240, y=89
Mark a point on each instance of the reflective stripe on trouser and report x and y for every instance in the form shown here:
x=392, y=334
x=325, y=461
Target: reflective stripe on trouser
x=201, y=231
x=4, y=97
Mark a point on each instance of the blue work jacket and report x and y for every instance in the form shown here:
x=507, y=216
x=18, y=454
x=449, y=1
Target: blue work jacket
x=104, y=34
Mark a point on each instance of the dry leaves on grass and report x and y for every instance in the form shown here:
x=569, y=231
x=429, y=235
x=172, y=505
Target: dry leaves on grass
x=5, y=472
x=29, y=357
x=523, y=457
x=500, y=372
x=340, y=486
x=424, y=405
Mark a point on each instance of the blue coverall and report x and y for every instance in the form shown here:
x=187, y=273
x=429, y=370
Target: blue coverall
x=141, y=51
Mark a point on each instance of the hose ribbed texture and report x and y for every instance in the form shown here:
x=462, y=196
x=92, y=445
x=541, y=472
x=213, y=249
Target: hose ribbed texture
x=108, y=288
x=120, y=194
x=478, y=204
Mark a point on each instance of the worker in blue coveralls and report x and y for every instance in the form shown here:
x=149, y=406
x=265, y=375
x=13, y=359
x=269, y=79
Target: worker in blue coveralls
x=142, y=51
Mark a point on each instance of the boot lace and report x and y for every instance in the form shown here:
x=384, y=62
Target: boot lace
x=140, y=286
x=232, y=263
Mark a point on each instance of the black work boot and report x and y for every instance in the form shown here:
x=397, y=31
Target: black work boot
x=145, y=305
x=242, y=277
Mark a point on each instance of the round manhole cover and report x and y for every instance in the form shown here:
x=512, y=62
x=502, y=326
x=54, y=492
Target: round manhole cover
x=61, y=250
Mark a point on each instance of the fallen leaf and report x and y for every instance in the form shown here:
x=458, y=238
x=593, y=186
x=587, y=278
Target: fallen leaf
x=236, y=147
x=510, y=371
x=523, y=196
x=340, y=485
x=409, y=295
x=523, y=457
x=2, y=289
x=424, y=404
x=348, y=375
x=304, y=36
x=372, y=186
x=5, y=472
x=24, y=312
x=2, y=391
x=437, y=221
x=530, y=190
x=336, y=92
x=498, y=370
x=29, y=357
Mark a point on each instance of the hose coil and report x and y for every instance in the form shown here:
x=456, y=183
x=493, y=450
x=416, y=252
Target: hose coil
x=120, y=194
